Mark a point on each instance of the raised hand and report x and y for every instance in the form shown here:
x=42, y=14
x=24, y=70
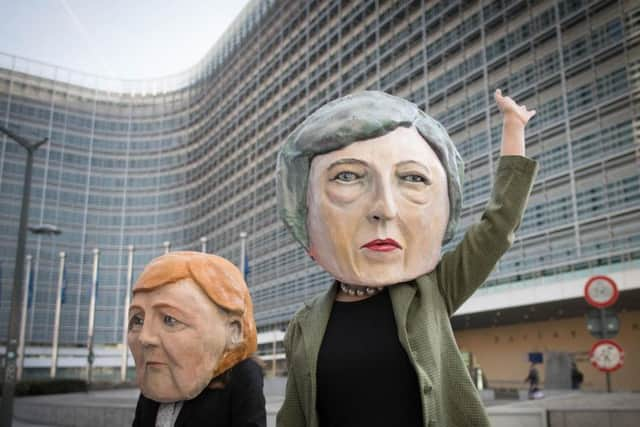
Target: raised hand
x=515, y=119
x=511, y=110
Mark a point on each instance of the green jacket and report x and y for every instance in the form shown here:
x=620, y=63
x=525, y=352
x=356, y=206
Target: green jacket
x=422, y=309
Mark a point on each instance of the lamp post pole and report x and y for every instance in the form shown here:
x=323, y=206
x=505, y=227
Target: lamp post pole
x=9, y=385
x=127, y=300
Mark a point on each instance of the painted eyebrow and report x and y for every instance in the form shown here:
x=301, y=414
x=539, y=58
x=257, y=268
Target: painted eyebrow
x=347, y=161
x=167, y=305
x=413, y=162
x=135, y=307
x=158, y=305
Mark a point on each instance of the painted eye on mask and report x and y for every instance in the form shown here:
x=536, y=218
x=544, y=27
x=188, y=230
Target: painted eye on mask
x=415, y=179
x=346, y=176
x=170, y=321
x=136, y=322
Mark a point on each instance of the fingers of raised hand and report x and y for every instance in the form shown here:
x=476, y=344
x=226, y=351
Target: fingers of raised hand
x=530, y=113
x=508, y=105
x=526, y=114
x=504, y=102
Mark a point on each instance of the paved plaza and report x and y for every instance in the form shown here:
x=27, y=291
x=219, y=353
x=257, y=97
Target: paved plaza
x=115, y=408
x=506, y=408
x=112, y=408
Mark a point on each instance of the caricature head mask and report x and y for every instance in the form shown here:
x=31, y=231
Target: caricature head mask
x=367, y=119
x=191, y=319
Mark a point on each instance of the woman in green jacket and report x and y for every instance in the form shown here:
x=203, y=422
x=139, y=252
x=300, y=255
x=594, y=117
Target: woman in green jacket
x=371, y=187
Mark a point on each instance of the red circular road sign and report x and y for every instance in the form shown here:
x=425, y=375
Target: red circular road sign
x=606, y=355
x=601, y=291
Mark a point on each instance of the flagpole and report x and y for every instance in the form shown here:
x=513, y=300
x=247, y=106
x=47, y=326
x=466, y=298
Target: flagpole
x=275, y=346
x=56, y=322
x=243, y=254
x=23, y=322
x=92, y=313
x=125, y=327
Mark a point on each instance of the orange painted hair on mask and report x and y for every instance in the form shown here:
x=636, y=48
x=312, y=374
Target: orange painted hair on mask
x=220, y=280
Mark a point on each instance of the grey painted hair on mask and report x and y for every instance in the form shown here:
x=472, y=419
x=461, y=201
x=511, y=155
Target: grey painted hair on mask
x=352, y=118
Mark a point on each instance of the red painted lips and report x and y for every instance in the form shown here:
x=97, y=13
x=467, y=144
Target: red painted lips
x=382, y=245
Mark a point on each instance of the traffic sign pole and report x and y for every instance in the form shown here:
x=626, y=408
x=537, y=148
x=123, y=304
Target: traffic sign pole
x=602, y=292
x=603, y=333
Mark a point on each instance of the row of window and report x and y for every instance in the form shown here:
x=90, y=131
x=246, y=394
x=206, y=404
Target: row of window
x=234, y=133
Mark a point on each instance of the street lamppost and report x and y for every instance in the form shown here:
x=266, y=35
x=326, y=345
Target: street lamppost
x=46, y=230
x=8, y=388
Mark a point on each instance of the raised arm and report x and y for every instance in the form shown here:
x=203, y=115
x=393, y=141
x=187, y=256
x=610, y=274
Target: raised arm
x=464, y=269
x=515, y=118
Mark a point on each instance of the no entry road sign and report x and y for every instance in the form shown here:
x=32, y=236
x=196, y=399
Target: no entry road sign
x=601, y=291
x=606, y=355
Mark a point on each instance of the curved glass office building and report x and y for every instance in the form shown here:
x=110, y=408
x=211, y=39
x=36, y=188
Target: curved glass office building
x=193, y=155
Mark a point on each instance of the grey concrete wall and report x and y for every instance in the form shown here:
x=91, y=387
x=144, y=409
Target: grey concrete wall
x=501, y=416
x=275, y=386
x=595, y=418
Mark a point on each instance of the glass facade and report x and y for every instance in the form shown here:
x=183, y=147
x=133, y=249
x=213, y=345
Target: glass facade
x=194, y=155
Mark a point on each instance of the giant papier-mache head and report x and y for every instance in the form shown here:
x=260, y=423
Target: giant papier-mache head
x=190, y=320
x=365, y=168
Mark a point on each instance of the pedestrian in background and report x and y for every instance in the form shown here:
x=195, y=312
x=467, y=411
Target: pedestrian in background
x=576, y=376
x=534, y=380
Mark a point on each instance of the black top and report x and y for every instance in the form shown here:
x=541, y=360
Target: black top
x=364, y=375
x=239, y=404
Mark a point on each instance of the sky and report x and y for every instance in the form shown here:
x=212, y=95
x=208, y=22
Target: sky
x=125, y=39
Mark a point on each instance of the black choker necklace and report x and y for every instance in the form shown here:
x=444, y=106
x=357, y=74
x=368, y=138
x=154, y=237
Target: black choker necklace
x=359, y=291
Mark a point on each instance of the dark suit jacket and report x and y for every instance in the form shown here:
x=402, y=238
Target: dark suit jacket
x=240, y=404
